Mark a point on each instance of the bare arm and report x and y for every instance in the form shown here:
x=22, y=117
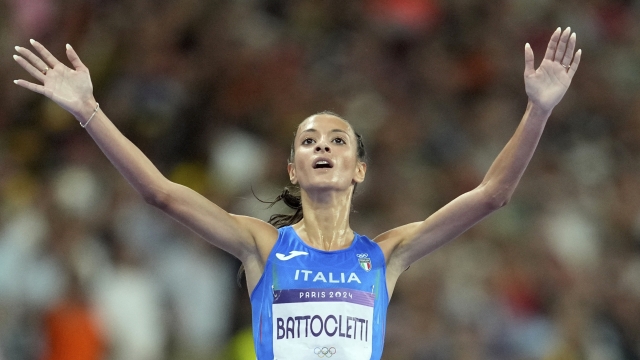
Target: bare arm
x=232, y=233
x=545, y=87
x=72, y=89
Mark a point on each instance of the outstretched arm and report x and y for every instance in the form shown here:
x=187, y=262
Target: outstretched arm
x=545, y=87
x=72, y=90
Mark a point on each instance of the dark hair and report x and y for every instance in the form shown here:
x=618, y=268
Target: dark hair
x=290, y=196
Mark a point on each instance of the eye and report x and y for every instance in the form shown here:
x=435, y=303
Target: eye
x=339, y=140
x=307, y=141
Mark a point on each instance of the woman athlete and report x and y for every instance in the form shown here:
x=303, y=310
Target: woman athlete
x=318, y=289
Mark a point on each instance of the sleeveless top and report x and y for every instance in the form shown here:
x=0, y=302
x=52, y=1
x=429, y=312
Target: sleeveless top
x=315, y=304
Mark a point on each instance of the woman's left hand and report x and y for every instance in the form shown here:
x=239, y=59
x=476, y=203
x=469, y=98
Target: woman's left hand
x=547, y=85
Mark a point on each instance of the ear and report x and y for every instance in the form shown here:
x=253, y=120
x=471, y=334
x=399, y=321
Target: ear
x=292, y=173
x=361, y=170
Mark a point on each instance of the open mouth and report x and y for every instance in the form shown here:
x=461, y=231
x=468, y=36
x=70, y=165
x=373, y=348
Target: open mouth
x=322, y=164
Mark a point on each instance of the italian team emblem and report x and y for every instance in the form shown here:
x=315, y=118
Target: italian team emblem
x=365, y=262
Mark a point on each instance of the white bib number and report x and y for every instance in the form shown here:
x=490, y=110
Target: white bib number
x=331, y=324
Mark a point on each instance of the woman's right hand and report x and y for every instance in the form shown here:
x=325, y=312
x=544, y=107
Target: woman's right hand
x=250, y=240
x=69, y=88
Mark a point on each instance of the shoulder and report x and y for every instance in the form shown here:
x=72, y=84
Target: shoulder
x=390, y=241
x=364, y=240
x=264, y=235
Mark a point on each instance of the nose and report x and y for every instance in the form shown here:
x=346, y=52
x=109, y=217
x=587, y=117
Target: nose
x=323, y=147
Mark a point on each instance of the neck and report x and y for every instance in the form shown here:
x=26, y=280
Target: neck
x=325, y=224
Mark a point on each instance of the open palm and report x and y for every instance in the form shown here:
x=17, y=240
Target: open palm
x=547, y=85
x=69, y=88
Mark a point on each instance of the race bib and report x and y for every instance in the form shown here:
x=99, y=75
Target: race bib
x=331, y=324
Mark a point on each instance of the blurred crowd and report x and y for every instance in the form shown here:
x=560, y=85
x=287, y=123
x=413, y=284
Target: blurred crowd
x=212, y=91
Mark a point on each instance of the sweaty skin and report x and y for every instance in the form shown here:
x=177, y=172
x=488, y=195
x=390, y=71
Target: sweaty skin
x=326, y=192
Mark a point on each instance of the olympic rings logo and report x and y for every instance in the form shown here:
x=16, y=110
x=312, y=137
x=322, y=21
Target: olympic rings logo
x=362, y=256
x=324, y=352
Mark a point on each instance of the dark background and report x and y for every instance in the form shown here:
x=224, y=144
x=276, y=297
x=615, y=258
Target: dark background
x=212, y=91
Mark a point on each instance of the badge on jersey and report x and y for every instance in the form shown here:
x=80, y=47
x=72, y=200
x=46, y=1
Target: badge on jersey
x=365, y=262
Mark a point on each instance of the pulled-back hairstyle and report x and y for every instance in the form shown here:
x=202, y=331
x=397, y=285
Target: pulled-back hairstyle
x=290, y=196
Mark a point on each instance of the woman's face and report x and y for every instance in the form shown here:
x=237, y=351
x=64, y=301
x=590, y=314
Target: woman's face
x=325, y=155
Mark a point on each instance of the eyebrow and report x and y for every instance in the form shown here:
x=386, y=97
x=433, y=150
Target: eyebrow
x=334, y=130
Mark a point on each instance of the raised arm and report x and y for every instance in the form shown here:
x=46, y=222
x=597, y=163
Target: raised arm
x=72, y=90
x=545, y=87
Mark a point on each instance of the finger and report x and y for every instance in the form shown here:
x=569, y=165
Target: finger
x=33, y=60
x=31, y=86
x=30, y=68
x=74, y=58
x=570, y=48
x=46, y=55
x=575, y=63
x=528, y=60
x=553, y=44
x=562, y=44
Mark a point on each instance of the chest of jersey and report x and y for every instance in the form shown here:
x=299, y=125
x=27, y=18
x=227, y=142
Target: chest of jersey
x=322, y=304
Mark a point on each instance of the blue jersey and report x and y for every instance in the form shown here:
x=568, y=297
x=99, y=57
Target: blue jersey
x=313, y=304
